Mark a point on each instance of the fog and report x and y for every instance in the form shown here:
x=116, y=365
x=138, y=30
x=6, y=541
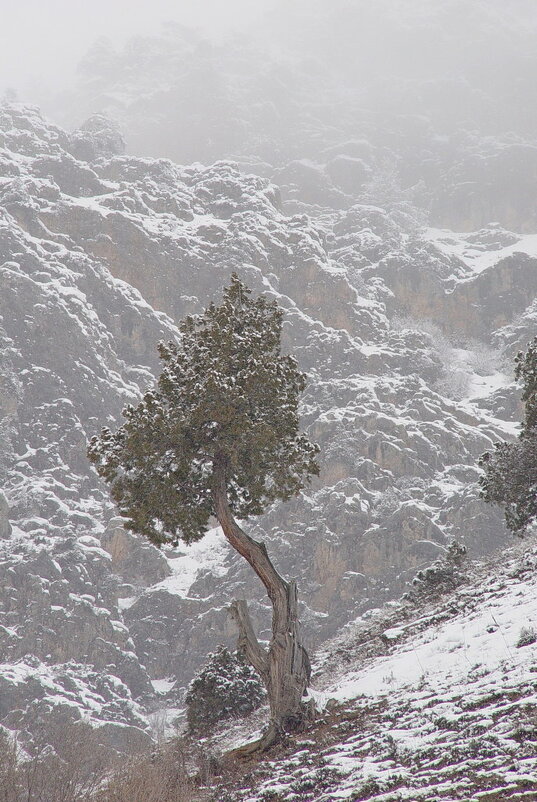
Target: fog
x=437, y=97
x=43, y=40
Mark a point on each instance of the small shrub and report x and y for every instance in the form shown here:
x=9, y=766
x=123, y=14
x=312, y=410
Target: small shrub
x=320, y=780
x=443, y=575
x=454, y=384
x=304, y=785
x=157, y=777
x=444, y=723
x=225, y=688
x=271, y=796
x=527, y=636
x=69, y=764
x=456, y=553
x=366, y=790
x=525, y=731
x=61, y=764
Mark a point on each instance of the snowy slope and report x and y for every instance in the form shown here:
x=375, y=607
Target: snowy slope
x=439, y=705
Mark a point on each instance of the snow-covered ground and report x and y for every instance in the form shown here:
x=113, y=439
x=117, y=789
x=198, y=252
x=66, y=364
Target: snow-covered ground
x=478, y=256
x=446, y=709
x=208, y=554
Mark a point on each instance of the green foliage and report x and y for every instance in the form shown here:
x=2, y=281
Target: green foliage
x=456, y=554
x=510, y=471
x=526, y=372
x=226, y=393
x=443, y=575
x=366, y=790
x=510, y=480
x=225, y=688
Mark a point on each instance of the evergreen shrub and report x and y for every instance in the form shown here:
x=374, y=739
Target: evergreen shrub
x=226, y=687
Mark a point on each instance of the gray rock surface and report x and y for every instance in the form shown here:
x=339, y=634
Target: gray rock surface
x=97, y=258
x=5, y=526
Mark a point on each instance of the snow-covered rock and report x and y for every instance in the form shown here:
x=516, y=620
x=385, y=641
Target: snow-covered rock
x=97, y=259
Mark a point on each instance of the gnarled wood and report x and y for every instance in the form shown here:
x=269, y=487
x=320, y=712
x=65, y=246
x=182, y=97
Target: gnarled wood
x=248, y=644
x=271, y=736
x=285, y=668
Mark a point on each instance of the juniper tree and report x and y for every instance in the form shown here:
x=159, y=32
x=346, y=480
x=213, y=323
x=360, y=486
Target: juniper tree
x=510, y=477
x=219, y=436
x=226, y=687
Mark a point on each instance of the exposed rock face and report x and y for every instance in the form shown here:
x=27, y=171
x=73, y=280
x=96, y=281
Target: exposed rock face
x=5, y=526
x=133, y=559
x=496, y=184
x=62, y=366
x=93, y=257
x=97, y=138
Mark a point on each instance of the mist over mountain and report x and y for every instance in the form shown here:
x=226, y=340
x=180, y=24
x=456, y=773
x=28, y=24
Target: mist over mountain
x=323, y=99
x=372, y=168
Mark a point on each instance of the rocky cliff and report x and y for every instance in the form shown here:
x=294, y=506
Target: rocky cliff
x=404, y=332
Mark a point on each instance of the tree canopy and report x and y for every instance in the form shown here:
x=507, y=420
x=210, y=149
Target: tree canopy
x=510, y=471
x=226, y=395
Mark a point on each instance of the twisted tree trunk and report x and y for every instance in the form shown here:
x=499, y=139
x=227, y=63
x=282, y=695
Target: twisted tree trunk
x=285, y=666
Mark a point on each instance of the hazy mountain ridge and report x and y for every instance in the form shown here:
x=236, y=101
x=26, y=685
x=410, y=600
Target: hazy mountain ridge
x=398, y=466
x=435, y=97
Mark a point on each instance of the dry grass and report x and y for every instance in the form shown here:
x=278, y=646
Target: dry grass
x=70, y=765
x=66, y=767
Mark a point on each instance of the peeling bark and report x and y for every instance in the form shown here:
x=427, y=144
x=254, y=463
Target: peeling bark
x=285, y=666
x=248, y=644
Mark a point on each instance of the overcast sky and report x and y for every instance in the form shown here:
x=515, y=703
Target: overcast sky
x=41, y=41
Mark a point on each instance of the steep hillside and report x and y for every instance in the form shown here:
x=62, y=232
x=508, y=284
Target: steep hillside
x=435, y=701
x=100, y=253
